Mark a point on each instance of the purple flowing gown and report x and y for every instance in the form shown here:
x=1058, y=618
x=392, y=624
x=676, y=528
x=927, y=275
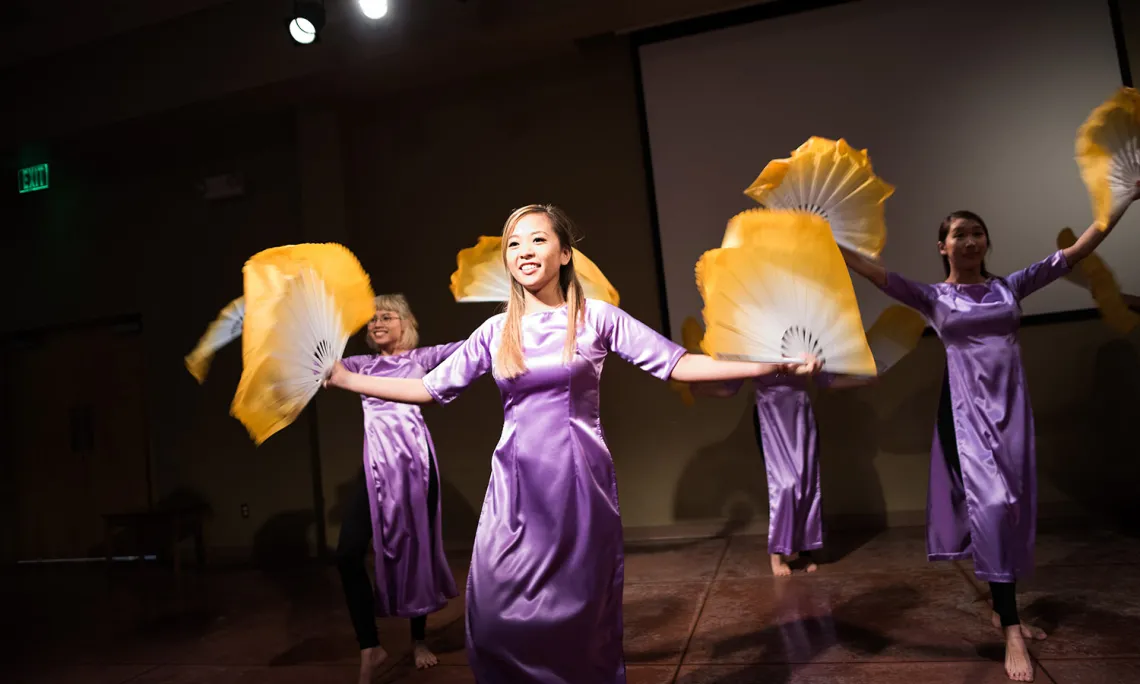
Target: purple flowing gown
x=989, y=513
x=412, y=575
x=791, y=459
x=544, y=593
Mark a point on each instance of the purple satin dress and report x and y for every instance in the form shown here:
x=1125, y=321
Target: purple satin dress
x=990, y=512
x=412, y=575
x=791, y=459
x=544, y=593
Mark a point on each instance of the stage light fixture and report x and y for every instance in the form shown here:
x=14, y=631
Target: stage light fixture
x=373, y=9
x=307, y=21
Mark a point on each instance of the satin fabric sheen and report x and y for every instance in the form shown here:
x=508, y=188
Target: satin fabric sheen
x=791, y=459
x=412, y=575
x=990, y=513
x=788, y=438
x=544, y=593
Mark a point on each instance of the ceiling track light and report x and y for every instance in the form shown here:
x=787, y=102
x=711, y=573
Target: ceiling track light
x=307, y=21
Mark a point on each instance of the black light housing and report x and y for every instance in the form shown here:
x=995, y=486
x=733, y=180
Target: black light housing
x=307, y=21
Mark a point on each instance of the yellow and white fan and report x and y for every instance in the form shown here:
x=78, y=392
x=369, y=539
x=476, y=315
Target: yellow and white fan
x=833, y=180
x=225, y=329
x=783, y=293
x=894, y=334
x=1108, y=152
x=691, y=334
x=303, y=302
x=1094, y=275
x=481, y=275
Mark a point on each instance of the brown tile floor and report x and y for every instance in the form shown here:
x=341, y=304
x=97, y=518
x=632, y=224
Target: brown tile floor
x=699, y=612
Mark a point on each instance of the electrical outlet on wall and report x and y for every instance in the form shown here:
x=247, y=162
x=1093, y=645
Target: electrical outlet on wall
x=245, y=510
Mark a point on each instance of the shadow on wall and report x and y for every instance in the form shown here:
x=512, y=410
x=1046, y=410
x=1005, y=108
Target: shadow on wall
x=1089, y=451
x=849, y=431
x=914, y=385
x=725, y=480
x=344, y=493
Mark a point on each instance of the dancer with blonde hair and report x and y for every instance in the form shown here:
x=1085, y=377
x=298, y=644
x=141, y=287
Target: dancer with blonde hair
x=396, y=506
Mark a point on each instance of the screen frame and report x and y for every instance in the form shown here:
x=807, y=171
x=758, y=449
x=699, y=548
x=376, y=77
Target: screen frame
x=773, y=9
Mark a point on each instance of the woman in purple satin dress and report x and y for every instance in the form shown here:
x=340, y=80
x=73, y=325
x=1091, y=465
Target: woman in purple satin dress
x=790, y=444
x=396, y=504
x=983, y=483
x=544, y=593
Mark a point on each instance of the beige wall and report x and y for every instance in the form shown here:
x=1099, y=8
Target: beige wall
x=430, y=176
x=406, y=182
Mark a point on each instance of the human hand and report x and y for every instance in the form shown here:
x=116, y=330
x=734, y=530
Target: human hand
x=336, y=376
x=810, y=366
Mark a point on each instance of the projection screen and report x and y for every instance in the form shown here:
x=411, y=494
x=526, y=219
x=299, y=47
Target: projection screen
x=961, y=104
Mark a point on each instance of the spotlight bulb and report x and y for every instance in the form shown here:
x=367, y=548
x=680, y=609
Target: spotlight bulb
x=373, y=9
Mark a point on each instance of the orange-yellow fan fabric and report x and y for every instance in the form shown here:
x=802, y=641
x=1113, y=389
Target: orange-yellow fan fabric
x=225, y=329
x=1093, y=274
x=831, y=179
x=303, y=302
x=894, y=334
x=1108, y=152
x=480, y=275
x=784, y=292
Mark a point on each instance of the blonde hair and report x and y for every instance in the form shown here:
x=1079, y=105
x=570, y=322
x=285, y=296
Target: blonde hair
x=510, y=361
x=398, y=304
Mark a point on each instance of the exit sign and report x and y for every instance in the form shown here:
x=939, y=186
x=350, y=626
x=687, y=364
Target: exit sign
x=33, y=178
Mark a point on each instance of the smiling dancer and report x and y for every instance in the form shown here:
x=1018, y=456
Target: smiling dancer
x=545, y=588
x=396, y=505
x=983, y=480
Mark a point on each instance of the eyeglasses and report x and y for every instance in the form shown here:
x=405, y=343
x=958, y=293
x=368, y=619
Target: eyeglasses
x=386, y=318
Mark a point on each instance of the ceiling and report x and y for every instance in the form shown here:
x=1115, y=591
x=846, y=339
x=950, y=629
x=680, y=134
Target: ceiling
x=71, y=65
x=35, y=28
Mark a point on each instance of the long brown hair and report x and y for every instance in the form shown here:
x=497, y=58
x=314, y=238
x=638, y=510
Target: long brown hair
x=510, y=361
x=944, y=231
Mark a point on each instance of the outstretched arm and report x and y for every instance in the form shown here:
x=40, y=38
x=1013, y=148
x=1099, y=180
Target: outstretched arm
x=1093, y=235
x=463, y=364
x=915, y=295
x=647, y=349
x=870, y=270
x=401, y=390
x=701, y=368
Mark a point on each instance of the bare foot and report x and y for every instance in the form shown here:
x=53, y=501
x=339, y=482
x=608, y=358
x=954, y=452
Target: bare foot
x=1027, y=631
x=811, y=567
x=779, y=567
x=423, y=656
x=370, y=661
x=1031, y=632
x=1018, y=666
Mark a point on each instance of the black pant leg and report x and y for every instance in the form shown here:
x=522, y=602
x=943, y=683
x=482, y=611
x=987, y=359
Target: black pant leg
x=351, y=550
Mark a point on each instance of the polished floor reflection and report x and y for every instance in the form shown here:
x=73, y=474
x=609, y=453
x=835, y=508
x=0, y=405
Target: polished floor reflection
x=696, y=612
